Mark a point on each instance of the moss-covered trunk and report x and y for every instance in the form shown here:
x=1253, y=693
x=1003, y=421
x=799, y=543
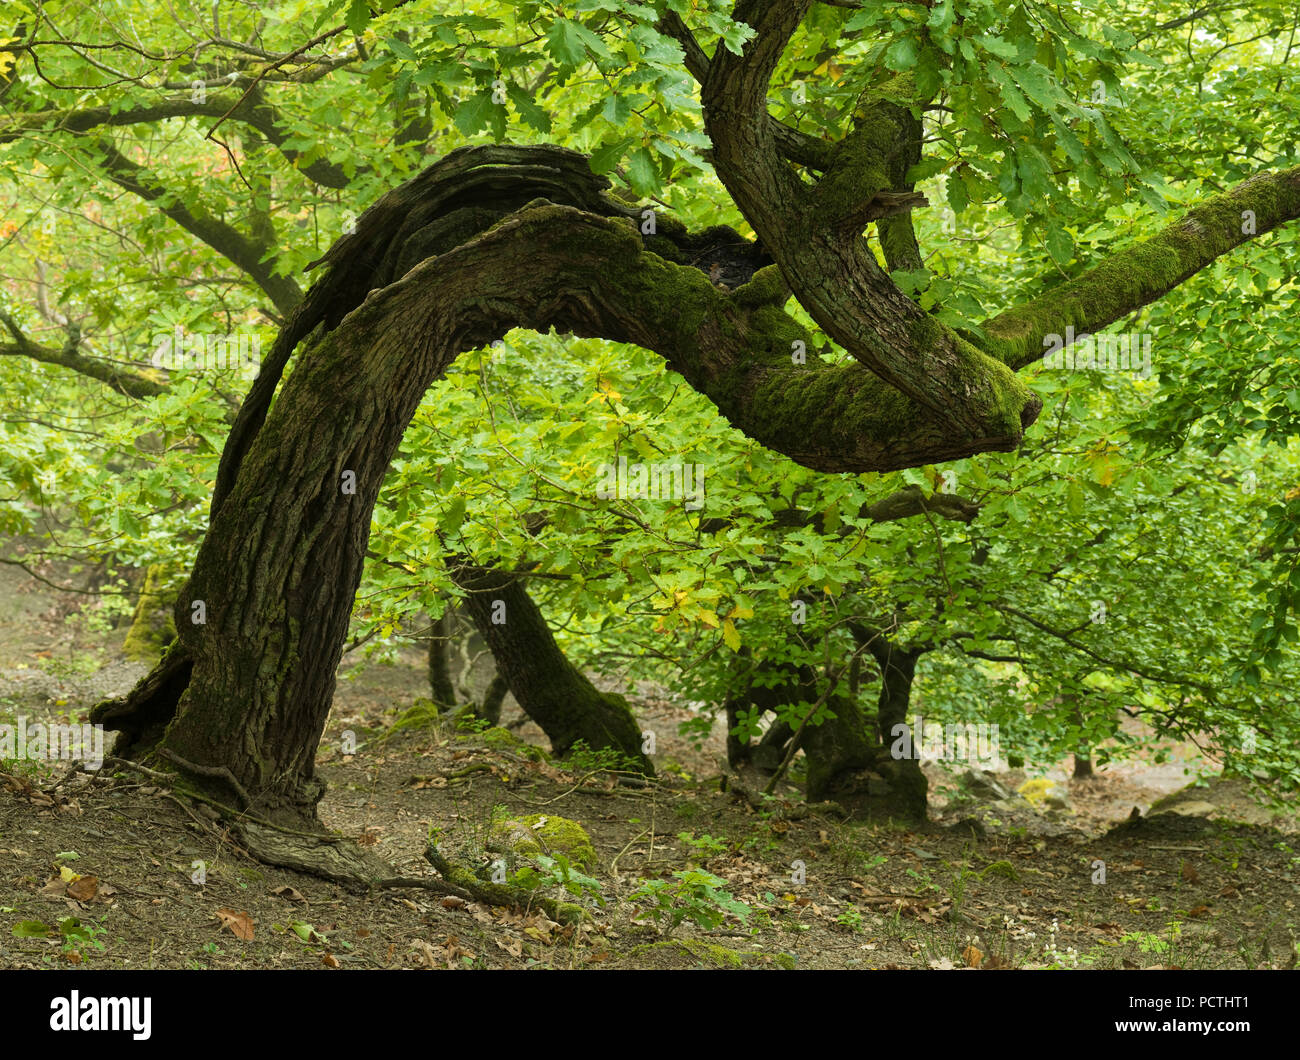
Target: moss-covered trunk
x=548, y=688
x=152, y=627
x=848, y=755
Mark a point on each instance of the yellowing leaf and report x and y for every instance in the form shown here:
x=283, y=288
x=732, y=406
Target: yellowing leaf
x=68, y=875
x=729, y=635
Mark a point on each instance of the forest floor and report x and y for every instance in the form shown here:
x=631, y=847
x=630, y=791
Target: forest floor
x=109, y=864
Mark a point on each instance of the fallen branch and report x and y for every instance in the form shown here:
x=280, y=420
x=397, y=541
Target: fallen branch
x=500, y=894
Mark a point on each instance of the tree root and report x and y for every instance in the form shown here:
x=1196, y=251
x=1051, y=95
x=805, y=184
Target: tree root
x=328, y=857
x=220, y=772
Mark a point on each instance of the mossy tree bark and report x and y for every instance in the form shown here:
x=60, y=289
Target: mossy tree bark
x=441, y=688
x=548, y=688
x=152, y=627
x=848, y=754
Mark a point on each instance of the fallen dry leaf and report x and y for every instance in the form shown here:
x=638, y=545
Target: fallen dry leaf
x=288, y=893
x=972, y=956
x=329, y=960
x=240, y=924
x=84, y=888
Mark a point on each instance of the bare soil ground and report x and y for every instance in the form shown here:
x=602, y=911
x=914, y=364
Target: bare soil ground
x=1217, y=888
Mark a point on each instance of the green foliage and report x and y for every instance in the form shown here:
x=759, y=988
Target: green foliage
x=702, y=847
x=691, y=894
x=557, y=872
x=76, y=937
x=584, y=759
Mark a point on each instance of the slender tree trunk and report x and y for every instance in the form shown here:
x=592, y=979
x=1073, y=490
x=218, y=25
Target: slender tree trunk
x=441, y=688
x=493, y=697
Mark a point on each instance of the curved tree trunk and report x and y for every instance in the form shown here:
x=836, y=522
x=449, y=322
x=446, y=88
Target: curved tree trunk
x=487, y=239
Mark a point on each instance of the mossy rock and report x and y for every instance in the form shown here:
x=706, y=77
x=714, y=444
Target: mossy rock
x=680, y=954
x=1001, y=868
x=500, y=737
x=540, y=833
x=152, y=625
x=1042, y=793
x=424, y=712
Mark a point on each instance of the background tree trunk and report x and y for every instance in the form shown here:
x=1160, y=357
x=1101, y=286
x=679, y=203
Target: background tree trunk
x=549, y=688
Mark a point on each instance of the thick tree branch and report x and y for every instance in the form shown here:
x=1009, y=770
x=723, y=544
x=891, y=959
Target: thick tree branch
x=456, y=248
x=1143, y=272
x=815, y=234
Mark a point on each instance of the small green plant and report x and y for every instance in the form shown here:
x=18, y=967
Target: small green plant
x=78, y=936
x=1146, y=942
x=692, y=894
x=472, y=723
x=924, y=879
x=851, y=918
x=761, y=842
x=960, y=878
x=559, y=872
x=703, y=847
x=75, y=935
x=584, y=759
